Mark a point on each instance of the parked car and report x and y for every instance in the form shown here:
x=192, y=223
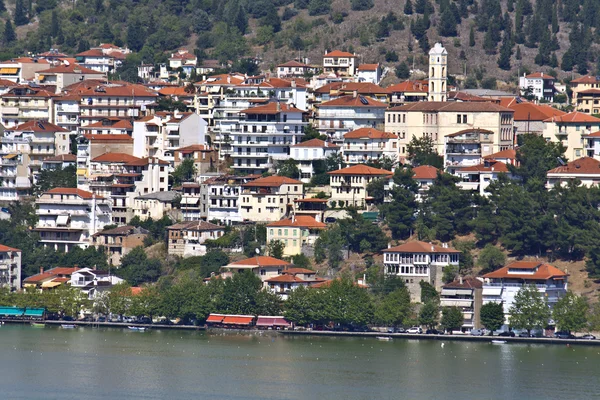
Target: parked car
x=589, y=337
x=564, y=335
x=67, y=318
x=524, y=334
x=144, y=320
x=391, y=330
x=433, y=332
x=129, y=320
x=507, y=334
x=101, y=319
x=400, y=330
x=414, y=330
x=477, y=332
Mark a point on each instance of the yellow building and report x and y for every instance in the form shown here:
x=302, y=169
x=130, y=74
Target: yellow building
x=269, y=199
x=571, y=130
x=349, y=185
x=586, y=94
x=294, y=232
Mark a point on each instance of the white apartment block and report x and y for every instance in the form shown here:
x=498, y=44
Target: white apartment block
x=348, y=113
x=541, y=85
x=10, y=268
x=306, y=153
x=340, y=63
x=269, y=199
x=419, y=261
x=68, y=217
x=349, y=185
x=24, y=103
x=220, y=198
x=66, y=112
x=369, y=73
x=105, y=58
x=294, y=69
x=21, y=70
x=466, y=148
x=366, y=144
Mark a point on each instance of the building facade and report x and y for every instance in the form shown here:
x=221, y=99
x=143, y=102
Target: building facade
x=269, y=199
x=349, y=185
x=10, y=268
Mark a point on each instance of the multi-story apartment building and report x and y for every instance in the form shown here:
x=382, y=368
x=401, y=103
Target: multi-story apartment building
x=349, y=185
x=183, y=59
x=108, y=126
x=466, y=148
x=64, y=75
x=366, y=144
x=294, y=69
x=191, y=208
x=220, y=198
x=571, y=130
x=440, y=119
x=336, y=90
x=586, y=94
x=119, y=241
x=121, y=177
x=68, y=217
x=115, y=100
x=539, y=85
x=24, y=103
x=464, y=293
x=187, y=239
x=269, y=199
x=204, y=157
x=10, y=268
x=265, y=135
x=348, y=113
x=66, y=112
x=23, y=69
x=294, y=233
x=156, y=205
x=311, y=151
x=409, y=92
x=341, y=63
x=478, y=177
x=502, y=285
x=92, y=146
x=105, y=58
x=419, y=261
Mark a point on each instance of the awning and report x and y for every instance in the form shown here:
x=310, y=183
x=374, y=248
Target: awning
x=41, y=77
x=50, y=284
x=189, y=200
x=82, y=172
x=215, y=318
x=238, y=320
x=271, y=321
x=487, y=291
x=34, y=312
x=10, y=311
x=11, y=71
x=10, y=156
x=62, y=220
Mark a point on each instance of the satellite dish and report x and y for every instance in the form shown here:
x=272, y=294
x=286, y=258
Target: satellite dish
x=257, y=251
x=66, y=62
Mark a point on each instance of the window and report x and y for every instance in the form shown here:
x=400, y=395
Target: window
x=285, y=232
x=271, y=232
x=279, y=232
x=263, y=272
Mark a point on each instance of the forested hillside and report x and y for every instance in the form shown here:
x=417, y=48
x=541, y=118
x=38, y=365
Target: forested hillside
x=503, y=36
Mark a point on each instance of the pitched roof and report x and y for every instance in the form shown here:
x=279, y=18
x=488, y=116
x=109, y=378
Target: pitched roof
x=488, y=166
x=263, y=261
x=91, y=53
x=369, y=133
x=61, y=158
x=586, y=79
x=108, y=137
x=540, y=75
x=272, y=181
x=54, y=272
x=350, y=87
x=285, y=278
x=338, y=53
x=469, y=130
x=69, y=69
x=409, y=86
x=175, y=91
x=368, y=67
x=271, y=108
x=510, y=154
x=121, y=123
x=534, y=112
x=194, y=147
x=294, y=63
x=116, y=157
x=297, y=270
x=543, y=271
x=73, y=191
x=351, y=101
x=38, y=126
x=425, y=172
x=300, y=221
x=452, y=106
x=4, y=249
x=316, y=143
x=462, y=96
x=419, y=247
x=467, y=283
x=222, y=79
x=196, y=226
x=120, y=90
x=122, y=230
x=574, y=116
x=361, y=169
x=584, y=166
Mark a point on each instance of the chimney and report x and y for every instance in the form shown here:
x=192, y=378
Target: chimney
x=432, y=248
x=41, y=270
x=460, y=280
x=228, y=79
x=355, y=94
x=278, y=106
x=389, y=245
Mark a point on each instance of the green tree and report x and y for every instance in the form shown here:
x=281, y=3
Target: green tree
x=146, y=303
x=289, y=168
x=402, y=70
x=119, y=299
x=300, y=306
x=570, y=313
x=135, y=35
x=421, y=151
x=429, y=314
x=492, y=316
x=428, y=292
x=491, y=258
x=242, y=295
x=376, y=189
x=450, y=273
x=361, y=5
x=529, y=310
x=408, y=8
x=472, y=37
x=20, y=15
x=505, y=53
x=137, y=268
x=319, y=7
x=347, y=304
x=394, y=309
x=54, y=24
x=241, y=20
x=535, y=157
x=184, y=172
x=55, y=178
x=452, y=319
x=275, y=249
x=399, y=214
x=310, y=132
x=447, y=25
x=9, y=33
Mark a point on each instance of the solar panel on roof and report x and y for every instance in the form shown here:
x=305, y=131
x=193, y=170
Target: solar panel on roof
x=363, y=100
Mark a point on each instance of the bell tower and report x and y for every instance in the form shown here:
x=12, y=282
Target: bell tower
x=438, y=72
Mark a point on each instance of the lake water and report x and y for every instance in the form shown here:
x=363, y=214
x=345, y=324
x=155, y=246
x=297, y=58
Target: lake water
x=86, y=363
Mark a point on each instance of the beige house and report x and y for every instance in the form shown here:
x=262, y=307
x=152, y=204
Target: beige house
x=119, y=241
x=269, y=199
x=264, y=267
x=187, y=239
x=586, y=94
x=10, y=268
x=365, y=144
x=440, y=119
x=156, y=205
x=349, y=185
x=571, y=130
x=585, y=169
x=294, y=232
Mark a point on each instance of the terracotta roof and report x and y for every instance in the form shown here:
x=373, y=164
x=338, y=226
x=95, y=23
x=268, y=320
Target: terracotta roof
x=540, y=75
x=584, y=165
x=120, y=230
x=419, y=247
x=594, y=135
x=115, y=157
x=409, y=86
x=7, y=83
x=316, y=143
x=574, y=116
x=54, y=272
x=452, y=106
x=62, y=158
x=273, y=181
x=296, y=270
x=351, y=101
x=222, y=79
x=350, y=87
x=4, y=249
x=285, y=278
x=91, y=53
x=586, y=79
x=25, y=60
x=470, y=130
x=37, y=126
x=327, y=283
x=534, y=112
x=589, y=91
x=123, y=90
x=368, y=67
x=361, y=169
x=73, y=191
x=121, y=123
x=69, y=69
x=338, y=53
x=425, y=172
x=193, y=148
x=510, y=154
x=271, y=108
x=300, y=221
x=175, y=91
x=294, y=64
x=369, y=133
x=196, y=226
x=263, y=261
x=67, y=97
x=462, y=96
x=467, y=283
x=488, y=166
x=543, y=271
x=182, y=56
x=108, y=137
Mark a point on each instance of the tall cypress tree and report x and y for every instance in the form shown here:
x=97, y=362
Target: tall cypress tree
x=2, y=6
x=472, y=37
x=135, y=35
x=408, y=9
x=20, y=13
x=54, y=25
x=241, y=20
x=9, y=32
x=505, y=52
x=447, y=25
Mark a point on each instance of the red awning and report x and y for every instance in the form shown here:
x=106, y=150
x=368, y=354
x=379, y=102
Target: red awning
x=238, y=320
x=215, y=318
x=271, y=321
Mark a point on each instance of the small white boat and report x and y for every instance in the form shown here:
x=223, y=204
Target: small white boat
x=67, y=326
x=136, y=328
x=385, y=338
x=498, y=341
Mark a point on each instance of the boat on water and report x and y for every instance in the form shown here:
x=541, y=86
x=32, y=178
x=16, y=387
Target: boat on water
x=137, y=328
x=38, y=324
x=67, y=326
x=498, y=341
x=384, y=338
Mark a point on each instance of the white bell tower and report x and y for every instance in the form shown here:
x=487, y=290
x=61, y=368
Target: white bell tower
x=438, y=72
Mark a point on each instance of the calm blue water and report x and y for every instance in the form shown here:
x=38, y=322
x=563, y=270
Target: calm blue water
x=86, y=363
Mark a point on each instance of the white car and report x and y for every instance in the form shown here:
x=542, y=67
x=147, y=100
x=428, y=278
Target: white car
x=415, y=329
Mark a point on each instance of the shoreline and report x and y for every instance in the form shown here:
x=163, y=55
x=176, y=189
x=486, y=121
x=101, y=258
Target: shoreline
x=106, y=324
x=458, y=338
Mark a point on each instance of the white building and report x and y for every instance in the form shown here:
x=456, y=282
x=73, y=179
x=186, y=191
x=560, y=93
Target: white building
x=155, y=205
x=220, y=199
x=502, y=285
x=23, y=69
x=341, y=63
x=349, y=185
x=369, y=73
x=294, y=69
x=438, y=73
x=306, y=153
x=68, y=217
x=183, y=59
x=586, y=170
x=93, y=282
x=348, y=113
x=478, y=177
x=419, y=261
x=105, y=58
x=10, y=268
x=187, y=239
x=541, y=85
x=66, y=112
x=466, y=148
x=24, y=103
x=369, y=144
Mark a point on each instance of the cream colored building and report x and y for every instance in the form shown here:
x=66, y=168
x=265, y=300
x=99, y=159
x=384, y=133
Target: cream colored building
x=586, y=94
x=440, y=119
x=187, y=239
x=294, y=233
x=438, y=72
x=585, y=169
x=340, y=63
x=571, y=130
x=369, y=144
x=349, y=185
x=156, y=205
x=264, y=267
x=269, y=199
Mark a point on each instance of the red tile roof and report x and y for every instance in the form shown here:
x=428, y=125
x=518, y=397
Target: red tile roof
x=262, y=261
x=116, y=157
x=585, y=166
x=316, y=143
x=409, y=86
x=296, y=270
x=361, y=169
x=294, y=64
x=194, y=147
x=285, y=278
x=425, y=172
x=4, y=249
x=73, y=191
x=510, y=154
x=467, y=283
x=222, y=79
x=586, y=79
x=338, y=53
x=301, y=221
x=367, y=88
x=70, y=69
x=369, y=133
x=272, y=181
x=488, y=166
x=368, y=67
x=54, y=272
x=470, y=130
x=540, y=75
x=91, y=53
x=419, y=247
x=62, y=158
x=110, y=137
x=462, y=96
x=196, y=226
x=123, y=90
x=574, y=116
x=543, y=271
x=38, y=126
x=452, y=106
x=122, y=123
x=534, y=112
x=271, y=108
x=351, y=101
